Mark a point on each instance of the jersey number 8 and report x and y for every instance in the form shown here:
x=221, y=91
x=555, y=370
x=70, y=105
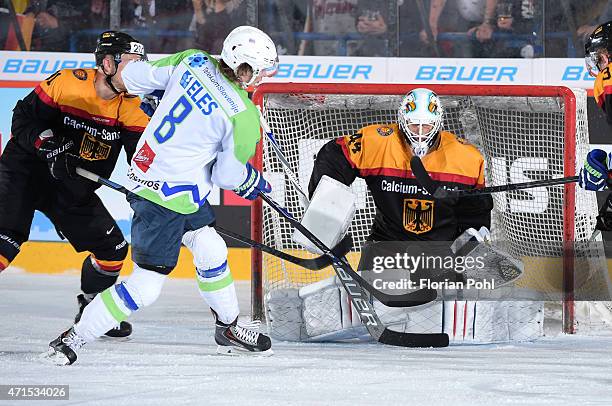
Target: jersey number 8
x=176, y=115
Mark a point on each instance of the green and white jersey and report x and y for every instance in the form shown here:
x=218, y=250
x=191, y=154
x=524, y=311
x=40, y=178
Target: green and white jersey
x=203, y=132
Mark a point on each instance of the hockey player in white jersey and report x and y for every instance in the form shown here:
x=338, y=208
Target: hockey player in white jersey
x=203, y=133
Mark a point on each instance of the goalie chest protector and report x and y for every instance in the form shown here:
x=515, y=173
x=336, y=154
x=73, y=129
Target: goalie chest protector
x=405, y=211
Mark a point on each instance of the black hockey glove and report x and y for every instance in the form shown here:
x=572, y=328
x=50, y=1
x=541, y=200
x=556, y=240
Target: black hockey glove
x=53, y=150
x=604, y=218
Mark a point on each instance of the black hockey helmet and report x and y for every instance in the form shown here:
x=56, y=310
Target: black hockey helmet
x=598, y=41
x=117, y=43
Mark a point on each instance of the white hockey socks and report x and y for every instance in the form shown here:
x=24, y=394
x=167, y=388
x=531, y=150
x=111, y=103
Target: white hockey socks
x=216, y=286
x=116, y=303
x=215, y=281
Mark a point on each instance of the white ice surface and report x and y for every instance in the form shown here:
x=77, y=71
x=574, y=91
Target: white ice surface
x=170, y=360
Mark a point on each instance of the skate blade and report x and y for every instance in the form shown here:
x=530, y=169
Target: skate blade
x=54, y=358
x=114, y=339
x=230, y=351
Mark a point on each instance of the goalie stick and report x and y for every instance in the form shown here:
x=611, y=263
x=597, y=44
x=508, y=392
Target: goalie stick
x=421, y=175
x=323, y=261
x=356, y=286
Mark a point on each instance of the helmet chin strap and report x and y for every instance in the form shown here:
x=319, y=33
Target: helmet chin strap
x=110, y=84
x=109, y=77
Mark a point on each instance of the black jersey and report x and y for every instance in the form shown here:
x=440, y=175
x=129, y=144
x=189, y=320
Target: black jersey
x=404, y=210
x=67, y=103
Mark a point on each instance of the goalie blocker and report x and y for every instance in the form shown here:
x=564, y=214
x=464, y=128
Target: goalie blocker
x=328, y=215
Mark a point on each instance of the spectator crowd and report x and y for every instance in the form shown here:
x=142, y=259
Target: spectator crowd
x=410, y=28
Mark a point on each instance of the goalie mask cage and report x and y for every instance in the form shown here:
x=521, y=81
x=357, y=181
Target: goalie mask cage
x=524, y=132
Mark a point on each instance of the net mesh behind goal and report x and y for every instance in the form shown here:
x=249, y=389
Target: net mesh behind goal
x=524, y=132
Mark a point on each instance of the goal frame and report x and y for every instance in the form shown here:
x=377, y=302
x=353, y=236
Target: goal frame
x=569, y=166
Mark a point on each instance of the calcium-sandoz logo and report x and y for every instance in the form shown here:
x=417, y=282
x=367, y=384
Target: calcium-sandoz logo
x=324, y=71
x=487, y=73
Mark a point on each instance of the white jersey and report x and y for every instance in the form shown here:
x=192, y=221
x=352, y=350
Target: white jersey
x=203, y=132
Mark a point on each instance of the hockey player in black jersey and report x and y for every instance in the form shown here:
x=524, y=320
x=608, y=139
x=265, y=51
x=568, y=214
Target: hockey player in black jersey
x=598, y=54
x=380, y=154
x=75, y=117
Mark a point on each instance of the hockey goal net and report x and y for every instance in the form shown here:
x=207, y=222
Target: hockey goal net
x=524, y=132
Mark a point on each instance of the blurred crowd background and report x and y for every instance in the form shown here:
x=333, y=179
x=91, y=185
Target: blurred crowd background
x=408, y=28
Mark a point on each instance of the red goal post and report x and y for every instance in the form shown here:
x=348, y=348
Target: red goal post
x=567, y=116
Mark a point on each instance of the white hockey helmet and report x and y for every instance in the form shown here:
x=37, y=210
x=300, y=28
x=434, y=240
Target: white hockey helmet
x=421, y=107
x=252, y=46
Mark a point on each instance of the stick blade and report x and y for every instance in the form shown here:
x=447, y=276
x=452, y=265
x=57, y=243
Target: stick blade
x=340, y=250
x=413, y=340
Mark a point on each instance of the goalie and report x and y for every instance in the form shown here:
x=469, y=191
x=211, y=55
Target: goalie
x=405, y=211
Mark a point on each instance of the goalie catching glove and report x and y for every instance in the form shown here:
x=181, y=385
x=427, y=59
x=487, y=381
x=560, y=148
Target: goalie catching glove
x=498, y=266
x=596, y=172
x=253, y=185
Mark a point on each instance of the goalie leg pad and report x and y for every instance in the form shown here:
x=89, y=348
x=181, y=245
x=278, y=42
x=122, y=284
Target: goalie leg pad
x=213, y=274
x=593, y=317
x=317, y=312
x=486, y=322
x=284, y=314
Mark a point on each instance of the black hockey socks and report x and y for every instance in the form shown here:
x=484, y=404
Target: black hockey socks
x=97, y=275
x=9, y=248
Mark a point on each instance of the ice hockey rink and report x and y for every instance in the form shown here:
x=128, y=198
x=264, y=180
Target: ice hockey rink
x=171, y=359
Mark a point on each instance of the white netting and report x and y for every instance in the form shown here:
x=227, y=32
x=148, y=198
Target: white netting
x=522, y=139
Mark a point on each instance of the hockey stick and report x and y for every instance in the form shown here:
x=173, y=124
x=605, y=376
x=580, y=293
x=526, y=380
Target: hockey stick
x=314, y=264
x=356, y=286
x=421, y=175
x=278, y=150
x=406, y=300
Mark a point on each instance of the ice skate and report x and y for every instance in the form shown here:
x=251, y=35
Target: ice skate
x=124, y=329
x=233, y=339
x=62, y=350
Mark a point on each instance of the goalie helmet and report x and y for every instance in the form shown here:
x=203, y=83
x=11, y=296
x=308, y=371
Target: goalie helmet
x=117, y=43
x=254, y=47
x=598, y=45
x=420, y=118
